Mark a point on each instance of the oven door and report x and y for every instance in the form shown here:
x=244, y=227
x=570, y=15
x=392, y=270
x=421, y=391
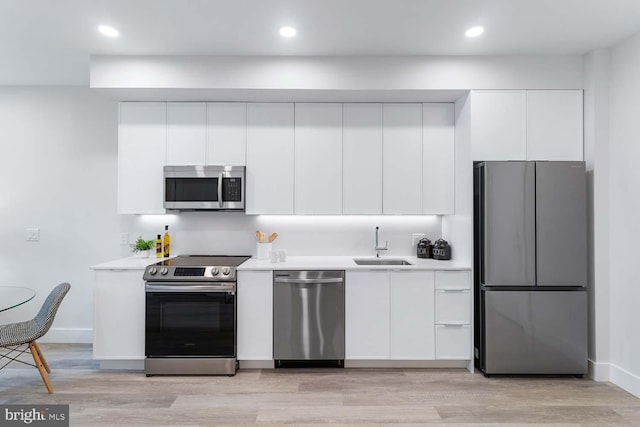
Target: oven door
x=190, y=320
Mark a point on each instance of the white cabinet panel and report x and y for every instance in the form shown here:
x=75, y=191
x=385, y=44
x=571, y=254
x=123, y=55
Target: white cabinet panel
x=402, y=159
x=226, y=133
x=142, y=145
x=438, y=158
x=412, y=315
x=453, y=280
x=118, y=325
x=453, y=342
x=318, y=158
x=498, y=125
x=554, y=125
x=186, y=130
x=453, y=307
x=362, y=159
x=367, y=315
x=255, y=315
x=270, y=158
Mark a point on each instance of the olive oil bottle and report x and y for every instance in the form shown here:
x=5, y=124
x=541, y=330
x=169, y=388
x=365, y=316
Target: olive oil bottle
x=159, y=247
x=167, y=241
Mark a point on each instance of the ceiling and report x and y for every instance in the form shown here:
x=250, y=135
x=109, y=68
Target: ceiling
x=50, y=42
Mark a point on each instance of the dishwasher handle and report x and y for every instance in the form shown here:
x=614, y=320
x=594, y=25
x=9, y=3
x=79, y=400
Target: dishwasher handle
x=307, y=281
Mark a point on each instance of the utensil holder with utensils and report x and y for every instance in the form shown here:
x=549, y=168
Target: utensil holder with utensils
x=264, y=245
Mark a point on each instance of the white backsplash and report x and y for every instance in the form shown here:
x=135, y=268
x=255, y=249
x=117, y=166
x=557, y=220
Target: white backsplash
x=234, y=233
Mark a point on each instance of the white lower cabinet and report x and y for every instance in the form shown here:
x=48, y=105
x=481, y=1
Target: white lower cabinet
x=118, y=323
x=412, y=317
x=453, y=342
x=255, y=315
x=367, y=315
x=453, y=304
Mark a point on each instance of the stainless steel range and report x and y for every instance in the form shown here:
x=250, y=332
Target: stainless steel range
x=190, y=316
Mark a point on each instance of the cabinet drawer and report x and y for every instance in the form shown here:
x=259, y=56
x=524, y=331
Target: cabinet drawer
x=453, y=342
x=453, y=306
x=453, y=280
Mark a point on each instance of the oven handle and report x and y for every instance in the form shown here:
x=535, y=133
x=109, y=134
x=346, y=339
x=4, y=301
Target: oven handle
x=228, y=288
x=220, y=189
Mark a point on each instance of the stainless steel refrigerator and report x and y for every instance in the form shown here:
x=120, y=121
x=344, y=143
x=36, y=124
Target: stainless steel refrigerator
x=530, y=262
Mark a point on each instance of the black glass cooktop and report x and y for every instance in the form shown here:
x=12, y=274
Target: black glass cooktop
x=205, y=260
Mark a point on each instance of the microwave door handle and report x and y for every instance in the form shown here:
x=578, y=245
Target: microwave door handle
x=220, y=190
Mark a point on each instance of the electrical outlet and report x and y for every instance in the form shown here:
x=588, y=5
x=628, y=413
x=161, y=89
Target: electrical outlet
x=33, y=234
x=415, y=237
x=124, y=238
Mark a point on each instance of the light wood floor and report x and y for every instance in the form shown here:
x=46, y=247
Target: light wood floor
x=397, y=397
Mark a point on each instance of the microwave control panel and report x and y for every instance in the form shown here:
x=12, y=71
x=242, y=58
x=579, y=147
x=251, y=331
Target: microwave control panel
x=232, y=189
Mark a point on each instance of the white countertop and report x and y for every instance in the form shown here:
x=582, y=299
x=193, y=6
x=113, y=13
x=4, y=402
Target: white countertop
x=347, y=263
x=301, y=263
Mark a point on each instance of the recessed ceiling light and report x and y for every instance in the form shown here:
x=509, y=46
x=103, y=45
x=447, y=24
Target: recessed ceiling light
x=287, y=32
x=108, y=31
x=474, y=31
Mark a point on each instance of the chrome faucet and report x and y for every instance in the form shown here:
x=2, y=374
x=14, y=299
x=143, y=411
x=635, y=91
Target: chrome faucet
x=377, y=246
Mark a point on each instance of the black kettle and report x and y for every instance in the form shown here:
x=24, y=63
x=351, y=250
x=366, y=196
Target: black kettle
x=424, y=248
x=441, y=250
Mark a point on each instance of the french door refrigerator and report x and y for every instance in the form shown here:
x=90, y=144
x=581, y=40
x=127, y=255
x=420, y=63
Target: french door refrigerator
x=530, y=262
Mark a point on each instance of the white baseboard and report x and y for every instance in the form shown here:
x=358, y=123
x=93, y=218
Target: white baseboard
x=68, y=336
x=625, y=380
x=135, y=365
x=599, y=371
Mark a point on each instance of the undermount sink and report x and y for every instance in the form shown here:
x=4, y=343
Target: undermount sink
x=380, y=261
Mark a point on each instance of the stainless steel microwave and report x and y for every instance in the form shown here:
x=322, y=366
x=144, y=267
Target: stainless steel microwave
x=213, y=188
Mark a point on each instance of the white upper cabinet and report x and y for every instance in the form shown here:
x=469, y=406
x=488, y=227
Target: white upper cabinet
x=438, y=158
x=498, y=125
x=142, y=145
x=554, y=125
x=186, y=133
x=226, y=133
x=318, y=158
x=402, y=159
x=362, y=159
x=412, y=315
x=270, y=158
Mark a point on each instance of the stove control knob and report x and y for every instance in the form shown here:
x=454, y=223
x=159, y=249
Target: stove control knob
x=215, y=271
x=225, y=271
x=164, y=271
x=153, y=271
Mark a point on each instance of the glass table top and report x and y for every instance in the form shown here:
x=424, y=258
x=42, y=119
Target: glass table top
x=13, y=296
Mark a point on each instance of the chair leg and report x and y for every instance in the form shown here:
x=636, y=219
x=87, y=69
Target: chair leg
x=39, y=365
x=44, y=362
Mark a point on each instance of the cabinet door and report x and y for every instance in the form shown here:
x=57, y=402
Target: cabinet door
x=318, y=158
x=362, y=158
x=438, y=158
x=270, y=158
x=412, y=315
x=498, y=125
x=367, y=315
x=186, y=133
x=119, y=304
x=554, y=125
x=255, y=315
x=142, y=145
x=402, y=159
x=453, y=342
x=226, y=133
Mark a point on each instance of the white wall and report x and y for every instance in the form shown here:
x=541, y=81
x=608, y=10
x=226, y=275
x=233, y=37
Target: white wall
x=58, y=174
x=624, y=214
x=406, y=73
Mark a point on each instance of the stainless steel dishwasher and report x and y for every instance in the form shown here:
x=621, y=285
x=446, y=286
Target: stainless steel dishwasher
x=308, y=318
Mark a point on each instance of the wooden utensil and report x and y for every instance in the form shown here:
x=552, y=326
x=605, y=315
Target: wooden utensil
x=262, y=237
x=272, y=237
x=259, y=235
